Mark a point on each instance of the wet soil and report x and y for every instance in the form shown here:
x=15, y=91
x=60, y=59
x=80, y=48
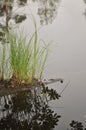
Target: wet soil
x=12, y=86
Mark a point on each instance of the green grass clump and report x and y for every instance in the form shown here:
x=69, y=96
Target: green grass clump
x=27, y=58
x=19, y=57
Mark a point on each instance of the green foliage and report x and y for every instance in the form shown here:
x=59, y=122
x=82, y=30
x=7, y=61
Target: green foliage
x=19, y=57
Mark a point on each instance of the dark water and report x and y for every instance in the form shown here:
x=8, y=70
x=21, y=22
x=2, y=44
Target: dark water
x=64, y=23
x=29, y=110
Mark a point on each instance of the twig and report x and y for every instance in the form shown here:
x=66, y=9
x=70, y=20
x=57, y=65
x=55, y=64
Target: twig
x=64, y=88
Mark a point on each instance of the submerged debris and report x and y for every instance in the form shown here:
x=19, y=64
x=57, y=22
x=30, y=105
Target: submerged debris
x=50, y=81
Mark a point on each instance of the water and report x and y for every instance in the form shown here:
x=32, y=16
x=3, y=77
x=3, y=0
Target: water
x=67, y=60
x=29, y=110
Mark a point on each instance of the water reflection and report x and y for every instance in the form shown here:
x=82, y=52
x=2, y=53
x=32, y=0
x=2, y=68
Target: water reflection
x=84, y=1
x=6, y=9
x=8, y=16
x=29, y=110
x=22, y=2
x=76, y=125
x=47, y=10
x=85, y=9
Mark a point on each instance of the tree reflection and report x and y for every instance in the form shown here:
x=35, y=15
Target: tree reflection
x=22, y=2
x=29, y=110
x=84, y=1
x=76, y=125
x=9, y=16
x=47, y=10
x=85, y=9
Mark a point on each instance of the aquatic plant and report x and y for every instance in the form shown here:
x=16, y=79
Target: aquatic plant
x=27, y=58
x=19, y=57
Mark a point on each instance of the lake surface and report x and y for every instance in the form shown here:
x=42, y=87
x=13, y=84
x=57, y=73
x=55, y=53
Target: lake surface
x=67, y=60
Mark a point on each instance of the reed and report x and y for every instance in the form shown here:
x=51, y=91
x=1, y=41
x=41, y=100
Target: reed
x=19, y=57
x=27, y=58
